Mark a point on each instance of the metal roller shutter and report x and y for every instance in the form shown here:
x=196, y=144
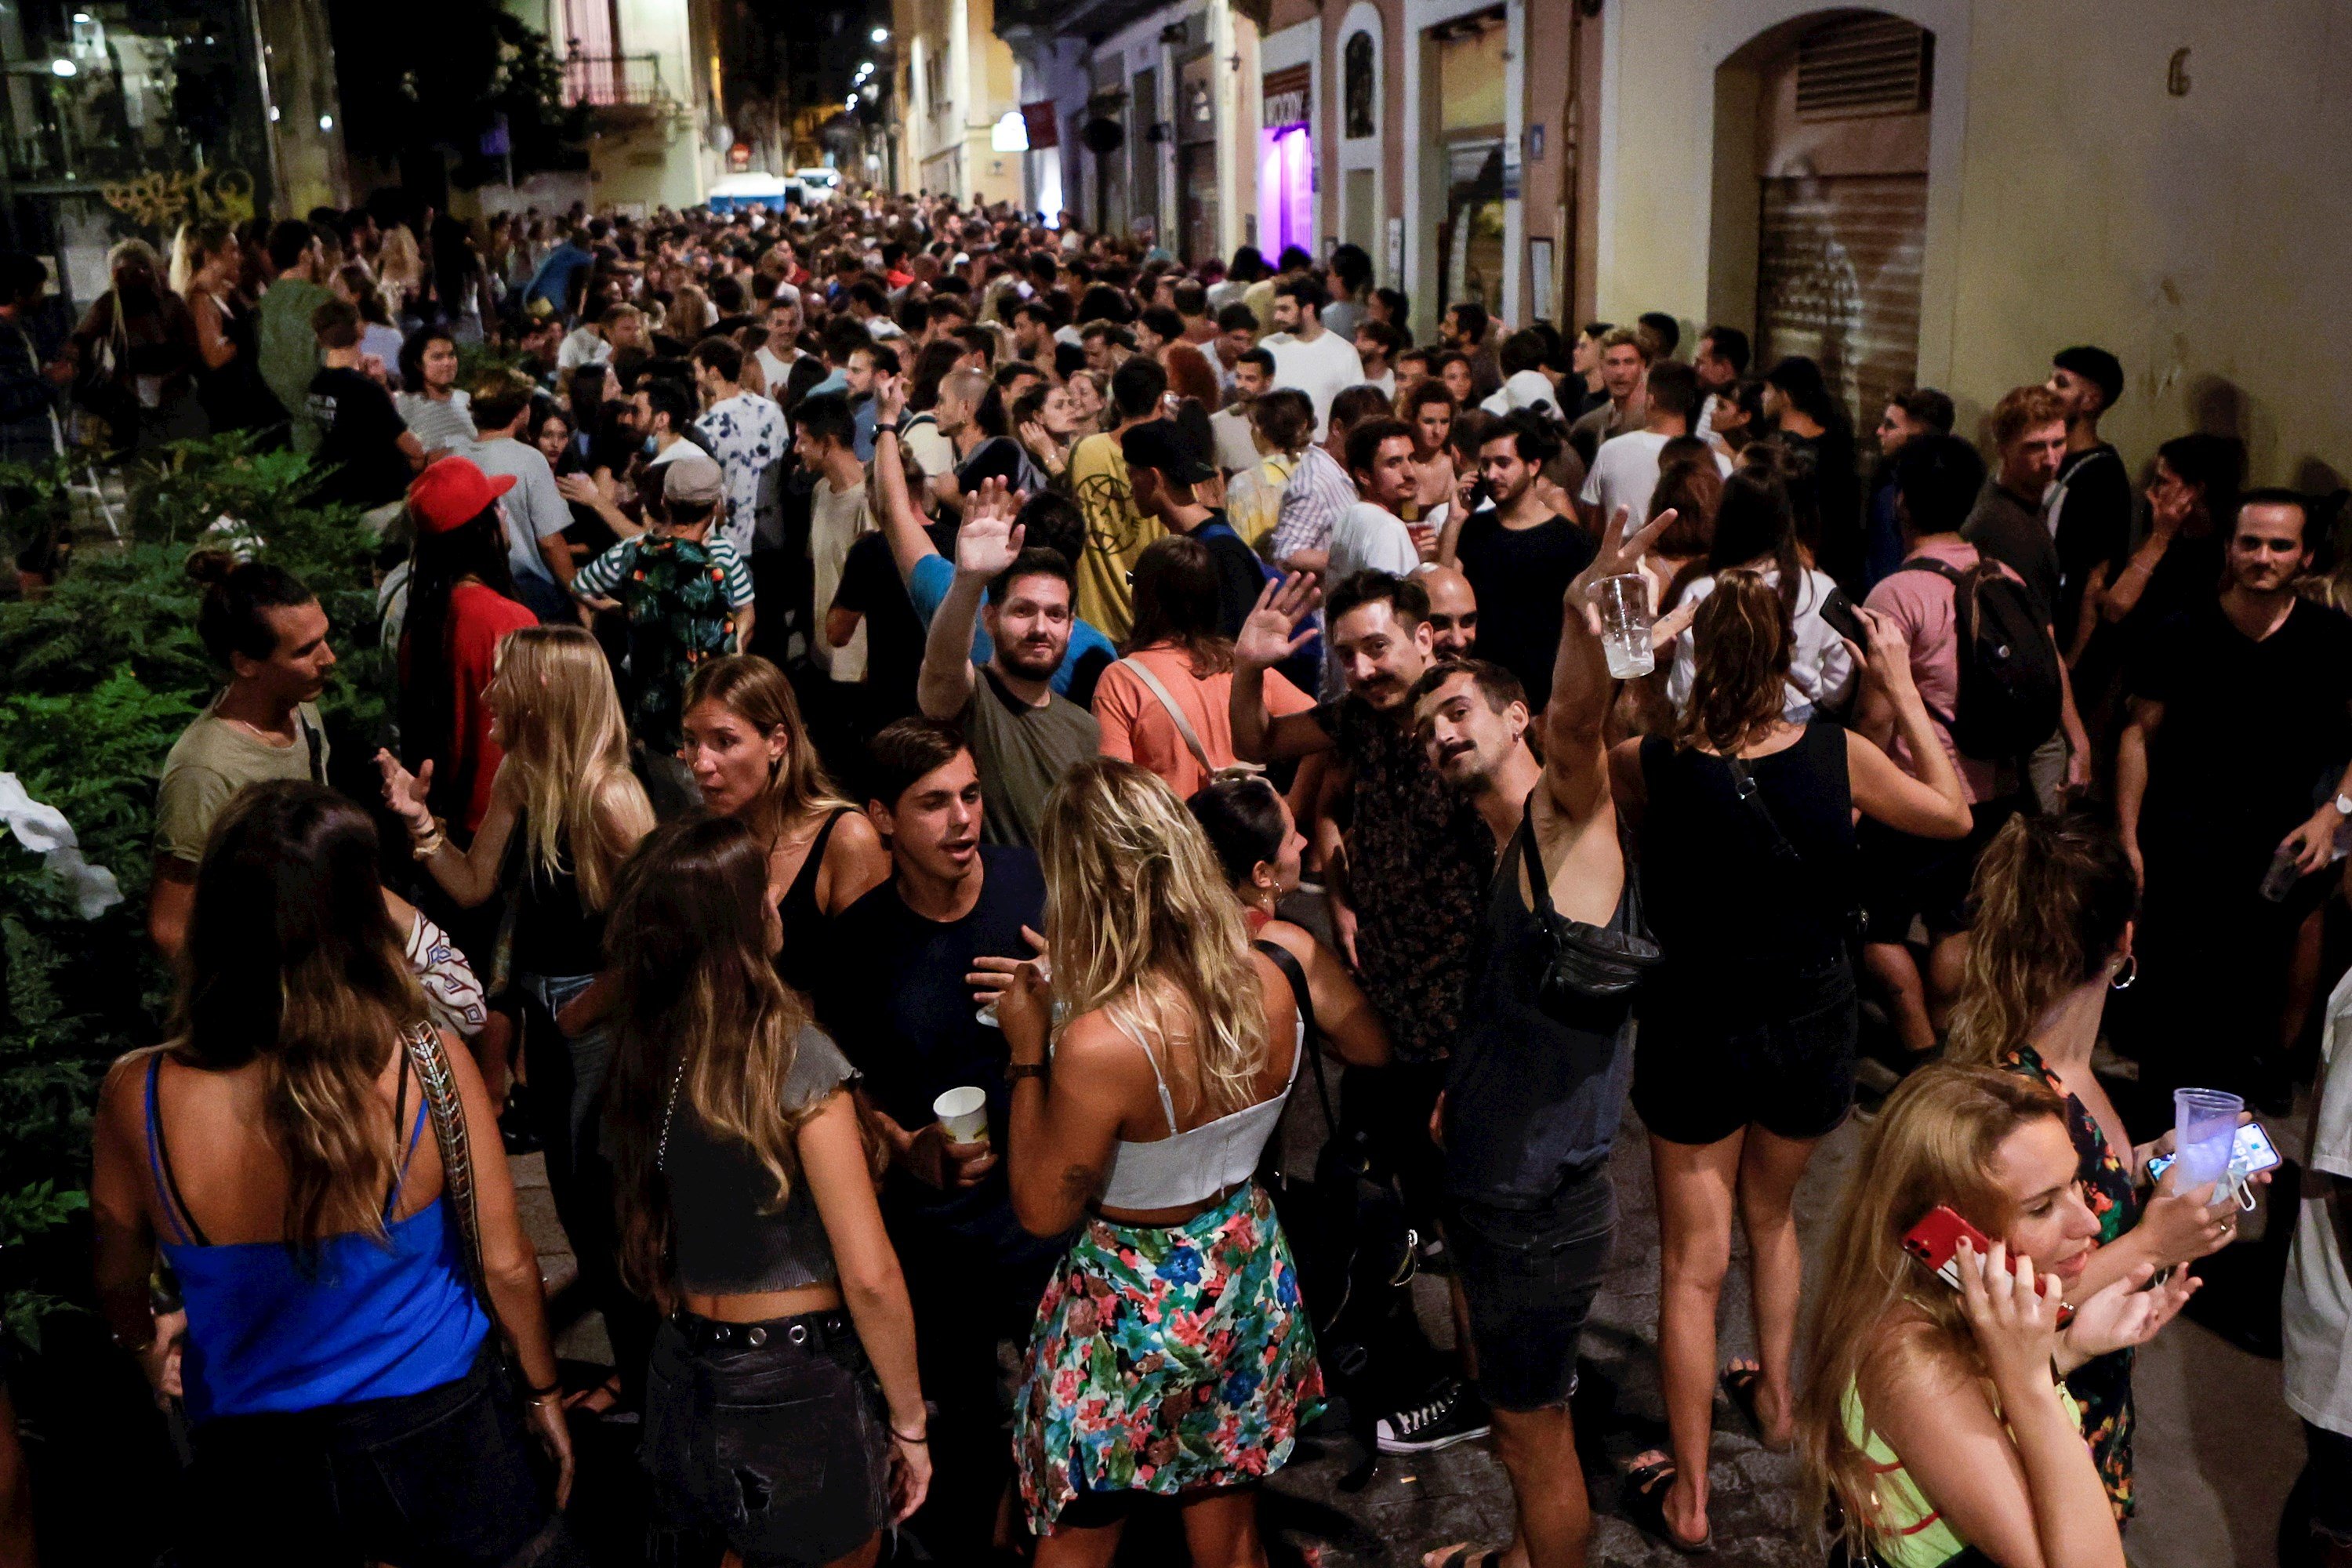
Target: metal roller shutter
x=1838, y=281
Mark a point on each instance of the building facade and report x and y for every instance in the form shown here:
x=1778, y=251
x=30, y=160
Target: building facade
x=957, y=86
x=651, y=70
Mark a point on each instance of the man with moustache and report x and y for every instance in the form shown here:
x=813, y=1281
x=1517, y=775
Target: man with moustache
x=1024, y=735
x=1534, y=1087
x=1406, y=884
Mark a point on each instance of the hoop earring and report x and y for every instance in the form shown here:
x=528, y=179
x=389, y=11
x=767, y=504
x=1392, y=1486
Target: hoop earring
x=2125, y=975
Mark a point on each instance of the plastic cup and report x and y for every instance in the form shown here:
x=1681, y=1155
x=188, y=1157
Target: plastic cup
x=2204, y=1125
x=963, y=1114
x=1625, y=621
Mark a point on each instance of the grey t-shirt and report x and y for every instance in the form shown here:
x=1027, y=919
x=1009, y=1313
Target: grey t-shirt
x=730, y=1238
x=1022, y=753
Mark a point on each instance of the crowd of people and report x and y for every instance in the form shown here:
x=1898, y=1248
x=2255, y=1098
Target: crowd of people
x=918, y=733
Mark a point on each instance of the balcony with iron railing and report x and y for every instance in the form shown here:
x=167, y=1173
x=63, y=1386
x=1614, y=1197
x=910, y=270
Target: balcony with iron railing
x=618, y=86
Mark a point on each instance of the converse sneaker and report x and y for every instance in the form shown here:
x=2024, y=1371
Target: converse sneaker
x=1453, y=1414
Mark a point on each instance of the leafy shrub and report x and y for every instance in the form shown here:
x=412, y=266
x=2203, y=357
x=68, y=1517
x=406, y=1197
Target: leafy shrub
x=98, y=678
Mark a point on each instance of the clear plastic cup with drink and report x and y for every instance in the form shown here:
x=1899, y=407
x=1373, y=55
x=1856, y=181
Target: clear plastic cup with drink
x=1626, y=619
x=2204, y=1126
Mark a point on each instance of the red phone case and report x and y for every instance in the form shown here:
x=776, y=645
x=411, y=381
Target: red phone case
x=1935, y=1238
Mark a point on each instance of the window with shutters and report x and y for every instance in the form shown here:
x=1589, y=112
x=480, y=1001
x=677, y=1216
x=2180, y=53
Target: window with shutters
x=1860, y=66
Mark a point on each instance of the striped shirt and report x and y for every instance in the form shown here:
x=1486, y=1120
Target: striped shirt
x=440, y=426
x=1318, y=493
x=601, y=576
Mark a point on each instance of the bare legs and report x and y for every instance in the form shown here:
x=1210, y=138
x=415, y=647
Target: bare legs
x=1538, y=1448
x=1917, y=1003
x=1220, y=1531
x=1699, y=1185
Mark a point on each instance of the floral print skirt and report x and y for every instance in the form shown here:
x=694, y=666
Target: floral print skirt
x=1165, y=1358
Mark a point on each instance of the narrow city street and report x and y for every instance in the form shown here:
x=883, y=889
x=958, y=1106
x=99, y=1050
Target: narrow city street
x=2216, y=1452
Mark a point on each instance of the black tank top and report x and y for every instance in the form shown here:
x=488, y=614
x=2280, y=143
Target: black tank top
x=1749, y=892
x=1532, y=1094
x=556, y=934
x=807, y=929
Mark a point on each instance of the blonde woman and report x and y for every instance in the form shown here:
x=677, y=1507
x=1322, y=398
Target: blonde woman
x=1936, y=1419
x=689, y=315
x=564, y=812
x=400, y=270
x=1178, y=1048
x=2055, y=900
x=785, y=1413
x=751, y=758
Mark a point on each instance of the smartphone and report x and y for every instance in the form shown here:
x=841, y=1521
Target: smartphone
x=2250, y=1154
x=1838, y=614
x=1934, y=1240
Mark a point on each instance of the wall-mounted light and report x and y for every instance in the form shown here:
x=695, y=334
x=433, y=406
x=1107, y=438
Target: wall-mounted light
x=326, y=122
x=880, y=35
x=64, y=67
x=81, y=18
x=1010, y=133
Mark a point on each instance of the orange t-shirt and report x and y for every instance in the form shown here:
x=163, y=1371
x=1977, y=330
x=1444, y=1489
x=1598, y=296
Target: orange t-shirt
x=1135, y=727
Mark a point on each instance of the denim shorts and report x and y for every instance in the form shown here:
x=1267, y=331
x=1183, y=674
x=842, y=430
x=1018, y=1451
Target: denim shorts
x=1698, y=1079
x=768, y=1438
x=448, y=1476
x=1530, y=1276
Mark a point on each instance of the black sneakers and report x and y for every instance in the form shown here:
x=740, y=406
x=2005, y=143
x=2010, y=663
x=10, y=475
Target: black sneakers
x=1453, y=1414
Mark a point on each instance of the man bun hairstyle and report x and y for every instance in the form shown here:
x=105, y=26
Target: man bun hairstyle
x=230, y=619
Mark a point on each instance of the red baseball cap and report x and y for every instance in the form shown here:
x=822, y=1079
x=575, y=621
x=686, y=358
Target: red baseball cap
x=453, y=492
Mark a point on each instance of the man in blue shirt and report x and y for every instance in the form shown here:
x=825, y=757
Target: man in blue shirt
x=557, y=276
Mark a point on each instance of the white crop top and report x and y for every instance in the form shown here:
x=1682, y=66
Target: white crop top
x=1193, y=1167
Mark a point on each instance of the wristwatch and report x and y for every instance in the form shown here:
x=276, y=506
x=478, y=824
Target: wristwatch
x=1016, y=1071
x=2343, y=803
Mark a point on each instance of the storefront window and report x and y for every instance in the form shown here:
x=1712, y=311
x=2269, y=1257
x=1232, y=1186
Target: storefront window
x=124, y=120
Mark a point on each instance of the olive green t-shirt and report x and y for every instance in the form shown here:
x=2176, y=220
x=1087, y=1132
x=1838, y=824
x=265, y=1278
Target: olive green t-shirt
x=1022, y=754
x=212, y=759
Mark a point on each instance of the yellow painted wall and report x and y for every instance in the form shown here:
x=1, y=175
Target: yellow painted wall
x=2205, y=238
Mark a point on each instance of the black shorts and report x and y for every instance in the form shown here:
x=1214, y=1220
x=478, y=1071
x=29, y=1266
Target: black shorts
x=447, y=1475
x=1906, y=877
x=1698, y=1080
x=1530, y=1276
x=776, y=1449
x=2327, y=1484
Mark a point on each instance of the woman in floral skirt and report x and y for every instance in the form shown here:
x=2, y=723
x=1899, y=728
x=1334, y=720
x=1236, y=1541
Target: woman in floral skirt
x=1171, y=1355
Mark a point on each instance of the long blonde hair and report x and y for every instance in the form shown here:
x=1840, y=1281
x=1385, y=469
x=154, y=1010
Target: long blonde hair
x=2053, y=897
x=1144, y=926
x=699, y=1018
x=1933, y=1143
x=757, y=692
x=553, y=697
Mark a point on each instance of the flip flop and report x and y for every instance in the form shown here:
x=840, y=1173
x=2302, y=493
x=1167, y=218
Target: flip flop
x=1645, y=1505
x=1739, y=1385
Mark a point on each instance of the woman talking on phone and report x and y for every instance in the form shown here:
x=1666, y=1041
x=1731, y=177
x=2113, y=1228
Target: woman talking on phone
x=1933, y=1418
x=783, y=1414
x=2054, y=899
x=1746, y=1057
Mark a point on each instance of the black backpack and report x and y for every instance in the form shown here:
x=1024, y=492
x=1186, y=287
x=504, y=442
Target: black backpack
x=2009, y=679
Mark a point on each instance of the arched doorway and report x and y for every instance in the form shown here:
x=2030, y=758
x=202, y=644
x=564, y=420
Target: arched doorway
x=1821, y=213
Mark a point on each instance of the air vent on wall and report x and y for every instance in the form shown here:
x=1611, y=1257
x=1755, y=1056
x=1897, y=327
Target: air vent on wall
x=1863, y=66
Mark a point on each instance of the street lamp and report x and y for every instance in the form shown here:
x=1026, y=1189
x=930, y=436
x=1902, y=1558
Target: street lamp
x=881, y=34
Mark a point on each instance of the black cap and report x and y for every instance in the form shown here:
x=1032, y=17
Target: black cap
x=1159, y=444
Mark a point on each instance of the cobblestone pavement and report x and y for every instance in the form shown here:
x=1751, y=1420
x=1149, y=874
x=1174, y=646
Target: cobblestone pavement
x=2217, y=1448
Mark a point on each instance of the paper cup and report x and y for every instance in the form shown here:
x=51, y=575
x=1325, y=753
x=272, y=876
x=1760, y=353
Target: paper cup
x=963, y=1114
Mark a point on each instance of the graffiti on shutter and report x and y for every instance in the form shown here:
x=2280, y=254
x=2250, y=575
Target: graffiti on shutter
x=1838, y=281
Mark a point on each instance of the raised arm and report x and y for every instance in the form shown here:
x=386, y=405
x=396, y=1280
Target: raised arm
x=1270, y=635
x=988, y=542
x=902, y=525
x=470, y=875
x=1576, y=768
x=1933, y=806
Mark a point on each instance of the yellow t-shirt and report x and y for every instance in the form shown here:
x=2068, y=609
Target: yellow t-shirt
x=1116, y=535
x=1253, y=498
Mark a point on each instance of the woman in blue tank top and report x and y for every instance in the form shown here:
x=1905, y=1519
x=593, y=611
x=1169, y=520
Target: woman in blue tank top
x=333, y=1355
